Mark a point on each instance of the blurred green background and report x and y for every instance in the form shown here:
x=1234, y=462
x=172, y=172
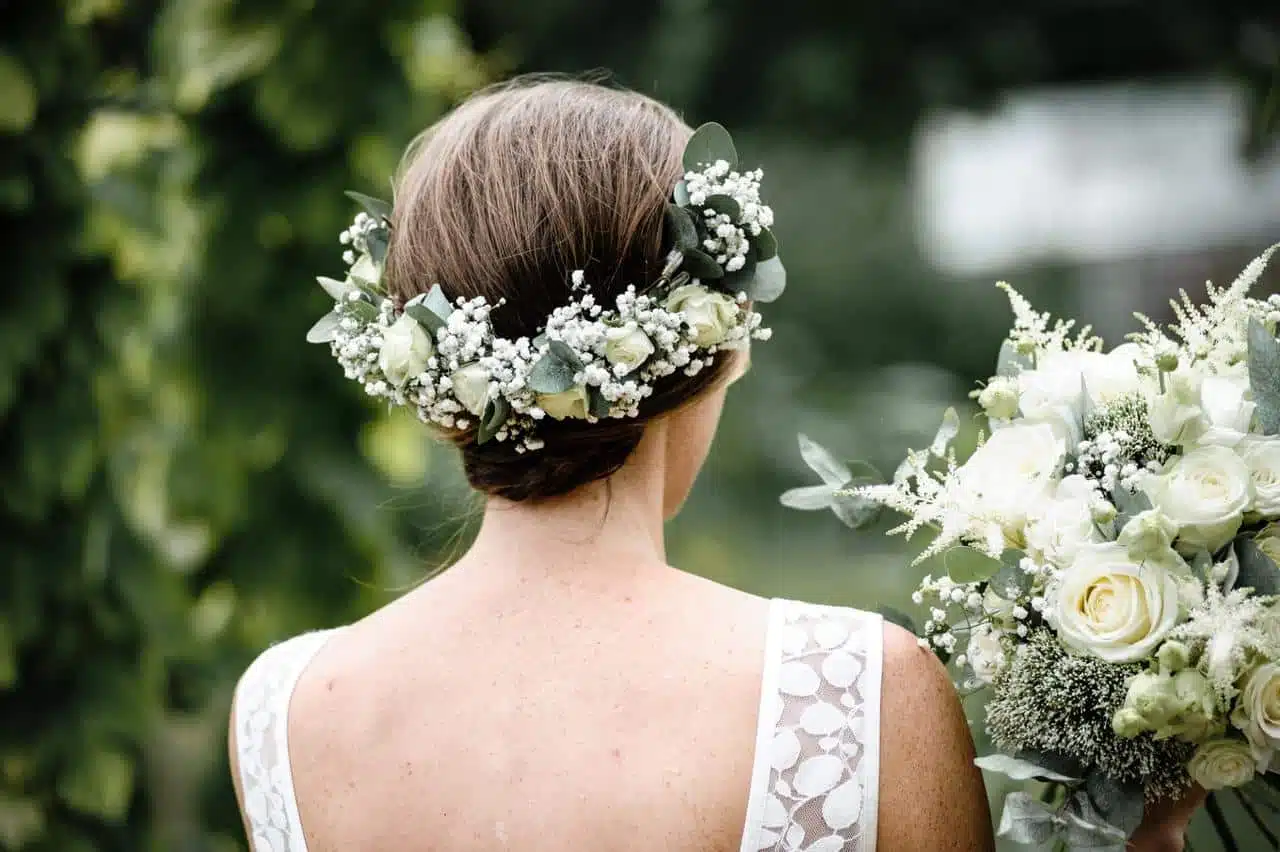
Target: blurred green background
x=185, y=481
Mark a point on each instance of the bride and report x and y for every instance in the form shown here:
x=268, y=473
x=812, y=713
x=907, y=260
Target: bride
x=562, y=686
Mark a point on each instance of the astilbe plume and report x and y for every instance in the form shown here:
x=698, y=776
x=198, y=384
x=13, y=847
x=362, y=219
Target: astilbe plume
x=1049, y=701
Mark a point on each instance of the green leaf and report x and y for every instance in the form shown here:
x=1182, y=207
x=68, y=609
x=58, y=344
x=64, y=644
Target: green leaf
x=361, y=309
x=430, y=310
x=1019, y=769
x=337, y=290
x=322, y=331
x=597, y=405
x=375, y=207
x=1026, y=820
x=424, y=317
x=680, y=228
x=438, y=302
x=833, y=472
x=808, y=498
x=764, y=245
x=1128, y=504
x=555, y=370
x=1257, y=570
x=1011, y=581
x=1011, y=362
x=1119, y=803
x=377, y=242
x=1264, y=376
x=709, y=143
x=701, y=265
x=898, y=617
x=967, y=565
x=724, y=204
x=946, y=432
x=496, y=412
x=681, y=194
x=855, y=510
x=769, y=281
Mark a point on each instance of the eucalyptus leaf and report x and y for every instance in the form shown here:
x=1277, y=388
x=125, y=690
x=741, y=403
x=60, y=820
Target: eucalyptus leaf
x=764, y=245
x=680, y=228
x=725, y=205
x=322, y=331
x=425, y=317
x=1257, y=570
x=438, y=302
x=1011, y=581
x=709, y=143
x=808, y=498
x=898, y=617
x=1026, y=820
x=967, y=565
x=834, y=472
x=597, y=405
x=361, y=309
x=1264, y=376
x=336, y=289
x=946, y=432
x=855, y=510
x=375, y=207
x=1019, y=769
x=1011, y=362
x=681, y=194
x=554, y=372
x=701, y=265
x=496, y=412
x=1120, y=804
x=1128, y=504
x=769, y=281
x=377, y=242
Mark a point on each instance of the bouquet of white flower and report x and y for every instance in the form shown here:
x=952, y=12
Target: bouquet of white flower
x=1110, y=560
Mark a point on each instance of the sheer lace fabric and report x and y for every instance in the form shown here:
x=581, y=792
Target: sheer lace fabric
x=262, y=743
x=814, y=785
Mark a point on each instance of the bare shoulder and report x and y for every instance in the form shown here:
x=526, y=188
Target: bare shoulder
x=931, y=794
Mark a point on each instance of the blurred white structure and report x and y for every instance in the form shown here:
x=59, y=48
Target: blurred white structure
x=1093, y=175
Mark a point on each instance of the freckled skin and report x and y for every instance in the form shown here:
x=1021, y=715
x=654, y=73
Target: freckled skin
x=562, y=687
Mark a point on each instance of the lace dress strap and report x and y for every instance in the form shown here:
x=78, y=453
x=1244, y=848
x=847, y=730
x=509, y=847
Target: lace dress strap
x=261, y=714
x=815, y=781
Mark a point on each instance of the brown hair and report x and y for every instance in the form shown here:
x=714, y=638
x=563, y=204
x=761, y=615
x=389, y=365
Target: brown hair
x=505, y=197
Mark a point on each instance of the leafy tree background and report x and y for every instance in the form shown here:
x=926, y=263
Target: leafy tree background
x=184, y=481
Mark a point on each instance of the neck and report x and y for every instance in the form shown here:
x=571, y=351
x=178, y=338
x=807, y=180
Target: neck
x=614, y=523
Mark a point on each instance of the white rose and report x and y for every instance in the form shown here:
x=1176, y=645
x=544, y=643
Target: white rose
x=627, y=347
x=708, y=315
x=1226, y=408
x=1205, y=493
x=1257, y=712
x=1222, y=763
x=1008, y=478
x=1107, y=605
x=1262, y=457
x=405, y=350
x=1057, y=390
x=985, y=653
x=1065, y=523
x=570, y=404
x=471, y=387
x=1176, y=416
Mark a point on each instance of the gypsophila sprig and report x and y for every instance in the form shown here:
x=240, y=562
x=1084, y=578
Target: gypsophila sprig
x=1110, y=554
x=590, y=360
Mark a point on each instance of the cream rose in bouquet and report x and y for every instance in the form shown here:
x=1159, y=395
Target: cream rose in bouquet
x=1107, y=571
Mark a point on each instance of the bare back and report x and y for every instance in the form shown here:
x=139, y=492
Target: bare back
x=468, y=716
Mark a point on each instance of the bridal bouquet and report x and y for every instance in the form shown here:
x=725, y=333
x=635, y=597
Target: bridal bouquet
x=1108, y=561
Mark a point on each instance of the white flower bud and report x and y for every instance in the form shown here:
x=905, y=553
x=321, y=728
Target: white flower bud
x=405, y=350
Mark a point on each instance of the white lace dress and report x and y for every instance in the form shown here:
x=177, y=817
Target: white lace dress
x=815, y=781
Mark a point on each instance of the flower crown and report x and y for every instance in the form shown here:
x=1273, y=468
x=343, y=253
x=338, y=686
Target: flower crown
x=589, y=361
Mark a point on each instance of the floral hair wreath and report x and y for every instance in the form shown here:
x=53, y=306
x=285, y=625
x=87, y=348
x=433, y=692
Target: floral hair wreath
x=588, y=361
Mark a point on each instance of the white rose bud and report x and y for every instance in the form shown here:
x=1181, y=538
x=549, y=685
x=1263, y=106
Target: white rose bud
x=1222, y=763
x=999, y=399
x=1146, y=534
x=1205, y=493
x=1176, y=416
x=627, y=347
x=471, y=387
x=1112, y=607
x=986, y=654
x=708, y=315
x=405, y=350
x=566, y=405
x=1262, y=456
